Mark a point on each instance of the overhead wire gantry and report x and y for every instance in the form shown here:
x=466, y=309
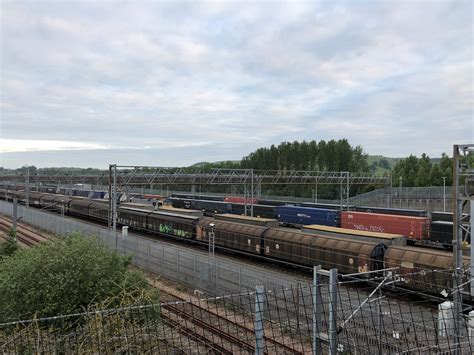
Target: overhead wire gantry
x=125, y=178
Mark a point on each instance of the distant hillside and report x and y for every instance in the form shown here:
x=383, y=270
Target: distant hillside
x=217, y=164
x=379, y=164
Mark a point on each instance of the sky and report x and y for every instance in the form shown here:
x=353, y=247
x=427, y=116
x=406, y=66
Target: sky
x=90, y=83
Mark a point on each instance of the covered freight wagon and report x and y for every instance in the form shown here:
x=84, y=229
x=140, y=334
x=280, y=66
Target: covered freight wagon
x=349, y=256
x=300, y=216
x=412, y=227
x=256, y=221
x=236, y=236
x=239, y=199
x=384, y=238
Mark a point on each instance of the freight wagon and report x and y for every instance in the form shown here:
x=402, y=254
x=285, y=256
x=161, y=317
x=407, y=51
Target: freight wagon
x=300, y=216
x=349, y=256
x=413, y=263
x=207, y=206
x=262, y=211
x=412, y=227
x=238, y=199
x=384, y=238
x=301, y=204
x=256, y=221
x=191, y=196
x=397, y=211
x=237, y=236
x=442, y=233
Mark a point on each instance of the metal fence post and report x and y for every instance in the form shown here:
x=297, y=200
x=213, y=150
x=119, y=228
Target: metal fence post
x=316, y=312
x=240, y=278
x=15, y=217
x=177, y=264
x=259, y=332
x=162, y=258
x=148, y=256
x=332, y=311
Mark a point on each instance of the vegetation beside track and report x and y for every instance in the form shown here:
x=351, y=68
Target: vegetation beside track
x=67, y=275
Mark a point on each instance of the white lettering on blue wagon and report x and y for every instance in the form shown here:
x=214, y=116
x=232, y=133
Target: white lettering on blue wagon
x=302, y=215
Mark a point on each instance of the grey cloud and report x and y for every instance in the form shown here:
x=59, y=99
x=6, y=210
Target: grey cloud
x=390, y=76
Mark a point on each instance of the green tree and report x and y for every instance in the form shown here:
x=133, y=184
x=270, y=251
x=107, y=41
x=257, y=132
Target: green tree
x=446, y=167
x=64, y=276
x=424, y=171
x=436, y=176
x=323, y=156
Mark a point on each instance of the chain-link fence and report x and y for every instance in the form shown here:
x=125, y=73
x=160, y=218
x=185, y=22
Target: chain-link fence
x=303, y=319
x=183, y=264
x=348, y=317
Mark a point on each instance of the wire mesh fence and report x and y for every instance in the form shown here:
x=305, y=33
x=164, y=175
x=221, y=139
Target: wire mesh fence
x=304, y=319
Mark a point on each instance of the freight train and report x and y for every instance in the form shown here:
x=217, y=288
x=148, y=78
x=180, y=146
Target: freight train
x=282, y=245
x=416, y=225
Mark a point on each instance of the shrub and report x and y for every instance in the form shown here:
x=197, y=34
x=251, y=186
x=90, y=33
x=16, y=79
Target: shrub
x=64, y=276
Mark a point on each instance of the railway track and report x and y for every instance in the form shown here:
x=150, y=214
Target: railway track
x=217, y=331
x=25, y=235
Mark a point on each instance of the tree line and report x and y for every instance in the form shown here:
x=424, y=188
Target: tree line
x=423, y=171
x=314, y=156
x=332, y=155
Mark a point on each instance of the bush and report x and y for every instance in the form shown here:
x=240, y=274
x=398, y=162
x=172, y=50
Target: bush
x=9, y=246
x=64, y=276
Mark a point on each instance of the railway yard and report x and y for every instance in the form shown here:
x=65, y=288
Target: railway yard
x=225, y=324
x=394, y=267
x=424, y=269
x=236, y=177
x=389, y=322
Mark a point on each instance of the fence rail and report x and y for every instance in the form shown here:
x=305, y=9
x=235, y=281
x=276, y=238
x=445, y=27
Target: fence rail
x=275, y=321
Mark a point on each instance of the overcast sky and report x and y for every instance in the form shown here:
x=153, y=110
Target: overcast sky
x=88, y=83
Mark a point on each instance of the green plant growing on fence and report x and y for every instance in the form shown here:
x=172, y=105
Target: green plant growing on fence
x=64, y=276
x=135, y=325
x=9, y=246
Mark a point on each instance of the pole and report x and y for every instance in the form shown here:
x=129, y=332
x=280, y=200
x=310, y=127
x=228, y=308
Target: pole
x=457, y=244
x=259, y=332
x=211, y=242
x=390, y=196
x=15, y=217
x=340, y=191
x=316, y=312
x=347, y=191
x=245, y=200
x=400, y=197
x=110, y=196
x=316, y=193
x=114, y=200
x=27, y=188
x=379, y=323
x=471, y=221
x=251, y=194
x=332, y=311
x=444, y=193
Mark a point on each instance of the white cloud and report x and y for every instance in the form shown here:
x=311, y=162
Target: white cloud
x=30, y=145
x=391, y=76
